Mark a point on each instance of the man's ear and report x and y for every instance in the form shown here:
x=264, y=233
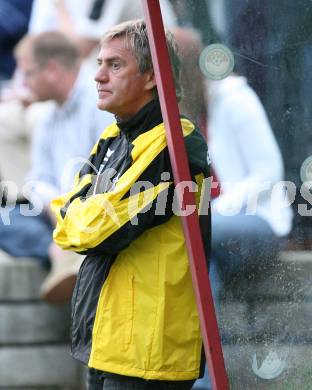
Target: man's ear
x=150, y=80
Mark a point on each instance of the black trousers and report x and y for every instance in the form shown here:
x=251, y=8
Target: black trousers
x=97, y=380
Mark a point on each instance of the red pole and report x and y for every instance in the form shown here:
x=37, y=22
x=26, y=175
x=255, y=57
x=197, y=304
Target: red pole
x=179, y=162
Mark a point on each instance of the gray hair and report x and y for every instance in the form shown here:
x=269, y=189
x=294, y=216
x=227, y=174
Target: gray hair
x=135, y=34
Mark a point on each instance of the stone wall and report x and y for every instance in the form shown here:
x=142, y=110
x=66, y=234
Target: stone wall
x=34, y=336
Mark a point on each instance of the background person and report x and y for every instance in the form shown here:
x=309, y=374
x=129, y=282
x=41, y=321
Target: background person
x=250, y=216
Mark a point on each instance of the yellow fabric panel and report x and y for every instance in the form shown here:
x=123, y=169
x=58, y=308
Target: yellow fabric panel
x=187, y=126
x=90, y=222
x=153, y=141
x=157, y=136
x=110, y=131
x=58, y=203
x=136, y=331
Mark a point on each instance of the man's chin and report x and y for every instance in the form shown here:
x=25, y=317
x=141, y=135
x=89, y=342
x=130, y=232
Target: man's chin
x=101, y=106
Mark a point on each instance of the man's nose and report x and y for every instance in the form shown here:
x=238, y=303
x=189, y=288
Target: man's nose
x=101, y=75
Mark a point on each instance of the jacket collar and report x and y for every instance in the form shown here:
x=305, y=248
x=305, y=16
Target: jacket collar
x=148, y=117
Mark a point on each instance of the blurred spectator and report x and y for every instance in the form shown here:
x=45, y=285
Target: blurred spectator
x=51, y=69
x=193, y=102
x=251, y=213
x=14, y=18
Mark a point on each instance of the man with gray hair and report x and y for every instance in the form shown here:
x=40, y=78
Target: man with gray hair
x=134, y=322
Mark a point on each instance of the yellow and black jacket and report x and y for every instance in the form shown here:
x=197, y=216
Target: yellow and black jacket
x=133, y=308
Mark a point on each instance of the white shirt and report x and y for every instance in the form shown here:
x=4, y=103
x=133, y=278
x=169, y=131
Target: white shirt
x=44, y=15
x=245, y=155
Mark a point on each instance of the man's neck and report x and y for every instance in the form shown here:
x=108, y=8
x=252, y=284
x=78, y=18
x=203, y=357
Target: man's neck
x=125, y=117
x=148, y=117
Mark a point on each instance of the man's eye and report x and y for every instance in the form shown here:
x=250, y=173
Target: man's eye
x=115, y=65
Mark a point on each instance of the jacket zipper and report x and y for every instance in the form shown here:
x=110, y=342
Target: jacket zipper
x=97, y=178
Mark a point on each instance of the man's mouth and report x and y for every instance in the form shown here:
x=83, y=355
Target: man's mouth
x=103, y=92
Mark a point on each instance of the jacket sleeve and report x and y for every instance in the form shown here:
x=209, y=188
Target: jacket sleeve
x=108, y=222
